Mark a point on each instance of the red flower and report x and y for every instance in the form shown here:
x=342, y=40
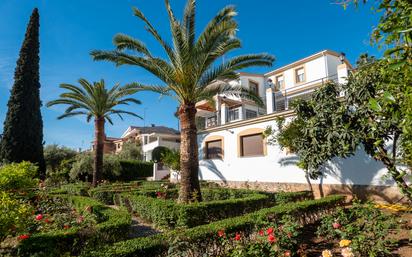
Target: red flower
x=221, y=233
x=271, y=238
x=66, y=226
x=47, y=220
x=39, y=217
x=261, y=232
x=336, y=225
x=269, y=231
x=287, y=253
x=289, y=235
x=237, y=236
x=25, y=236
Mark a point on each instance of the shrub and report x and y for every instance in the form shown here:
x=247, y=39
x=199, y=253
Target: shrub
x=171, y=159
x=133, y=170
x=114, y=225
x=79, y=188
x=166, y=213
x=203, y=238
x=365, y=226
x=18, y=176
x=158, y=152
x=13, y=215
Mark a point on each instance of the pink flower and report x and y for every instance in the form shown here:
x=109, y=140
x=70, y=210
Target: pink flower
x=336, y=225
x=287, y=253
x=271, y=238
x=221, y=233
x=23, y=237
x=39, y=217
x=237, y=236
x=80, y=219
x=269, y=231
x=261, y=232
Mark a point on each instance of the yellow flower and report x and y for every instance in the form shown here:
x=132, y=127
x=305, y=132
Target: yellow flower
x=327, y=253
x=344, y=243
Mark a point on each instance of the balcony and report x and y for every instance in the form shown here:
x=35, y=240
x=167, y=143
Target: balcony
x=281, y=100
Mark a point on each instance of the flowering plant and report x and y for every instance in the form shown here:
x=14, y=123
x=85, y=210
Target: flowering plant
x=362, y=227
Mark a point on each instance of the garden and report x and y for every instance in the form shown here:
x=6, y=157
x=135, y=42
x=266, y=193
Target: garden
x=144, y=218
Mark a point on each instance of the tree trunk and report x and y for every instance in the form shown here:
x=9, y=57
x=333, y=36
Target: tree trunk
x=390, y=164
x=98, y=149
x=189, y=160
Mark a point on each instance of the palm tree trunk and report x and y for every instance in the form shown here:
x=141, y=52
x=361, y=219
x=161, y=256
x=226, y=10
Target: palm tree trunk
x=189, y=161
x=98, y=149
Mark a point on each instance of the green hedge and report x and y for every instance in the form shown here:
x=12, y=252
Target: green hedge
x=114, y=226
x=169, y=214
x=204, y=235
x=132, y=170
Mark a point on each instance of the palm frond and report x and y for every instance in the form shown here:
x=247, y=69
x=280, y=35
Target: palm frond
x=122, y=41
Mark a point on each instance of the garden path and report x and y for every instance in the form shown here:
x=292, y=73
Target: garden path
x=139, y=228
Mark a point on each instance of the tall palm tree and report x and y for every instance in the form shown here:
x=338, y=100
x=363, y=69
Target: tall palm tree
x=190, y=73
x=98, y=102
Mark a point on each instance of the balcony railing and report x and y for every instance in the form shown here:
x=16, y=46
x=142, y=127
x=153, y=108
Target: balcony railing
x=284, y=98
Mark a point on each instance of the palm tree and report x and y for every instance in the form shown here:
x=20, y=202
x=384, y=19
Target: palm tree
x=98, y=102
x=190, y=73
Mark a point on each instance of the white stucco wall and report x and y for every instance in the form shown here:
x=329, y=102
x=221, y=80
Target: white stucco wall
x=277, y=166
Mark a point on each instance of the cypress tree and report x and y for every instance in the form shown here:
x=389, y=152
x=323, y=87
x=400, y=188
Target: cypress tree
x=23, y=127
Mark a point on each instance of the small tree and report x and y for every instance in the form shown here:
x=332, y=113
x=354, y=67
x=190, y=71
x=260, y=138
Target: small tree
x=131, y=151
x=54, y=155
x=98, y=102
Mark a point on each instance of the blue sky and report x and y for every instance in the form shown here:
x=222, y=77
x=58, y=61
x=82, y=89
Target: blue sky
x=69, y=30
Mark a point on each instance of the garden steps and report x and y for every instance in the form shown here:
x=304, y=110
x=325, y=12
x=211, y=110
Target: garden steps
x=139, y=228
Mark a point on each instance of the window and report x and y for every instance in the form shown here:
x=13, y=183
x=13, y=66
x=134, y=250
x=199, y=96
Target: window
x=214, y=149
x=279, y=82
x=300, y=75
x=254, y=87
x=250, y=114
x=251, y=145
x=233, y=114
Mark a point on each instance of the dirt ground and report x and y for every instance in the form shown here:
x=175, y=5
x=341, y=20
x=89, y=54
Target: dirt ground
x=312, y=246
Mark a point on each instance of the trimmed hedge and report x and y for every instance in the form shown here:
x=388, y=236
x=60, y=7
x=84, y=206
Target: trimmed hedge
x=204, y=235
x=168, y=214
x=114, y=227
x=132, y=170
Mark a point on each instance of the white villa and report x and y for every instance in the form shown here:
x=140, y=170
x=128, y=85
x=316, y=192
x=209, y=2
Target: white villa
x=147, y=137
x=232, y=150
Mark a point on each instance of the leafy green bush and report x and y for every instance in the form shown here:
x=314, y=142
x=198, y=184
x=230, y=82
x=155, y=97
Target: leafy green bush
x=80, y=188
x=14, y=215
x=114, y=225
x=171, y=159
x=223, y=203
x=365, y=226
x=18, y=176
x=133, y=170
x=114, y=169
x=204, y=237
x=130, y=151
x=57, y=158
x=158, y=152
